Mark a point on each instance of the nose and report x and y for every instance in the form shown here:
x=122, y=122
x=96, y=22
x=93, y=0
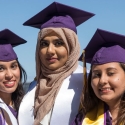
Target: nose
x=51, y=49
x=9, y=74
x=103, y=80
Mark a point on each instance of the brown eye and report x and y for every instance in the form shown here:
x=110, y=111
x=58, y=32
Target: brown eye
x=111, y=73
x=14, y=66
x=59, y=42
x=1, y=68
x=44, y=44
x=96, y=75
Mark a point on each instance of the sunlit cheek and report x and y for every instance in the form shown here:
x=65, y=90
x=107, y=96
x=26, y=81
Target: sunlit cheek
x=115, y=81
x=2, y=76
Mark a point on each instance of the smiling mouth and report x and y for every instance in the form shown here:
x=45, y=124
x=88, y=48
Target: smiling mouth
x=9, y=83
x=51, y=60
x=105, y=90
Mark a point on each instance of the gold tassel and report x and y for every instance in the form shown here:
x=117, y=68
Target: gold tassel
x=84, y=69
x=84, y=76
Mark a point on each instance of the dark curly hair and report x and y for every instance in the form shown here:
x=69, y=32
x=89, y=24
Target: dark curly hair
x=89, y=100
x=18, y=94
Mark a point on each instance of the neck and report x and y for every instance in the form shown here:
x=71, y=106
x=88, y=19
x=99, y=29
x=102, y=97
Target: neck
x=6, y=98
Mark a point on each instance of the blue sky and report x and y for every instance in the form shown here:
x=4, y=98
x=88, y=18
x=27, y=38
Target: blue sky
x=109, y=15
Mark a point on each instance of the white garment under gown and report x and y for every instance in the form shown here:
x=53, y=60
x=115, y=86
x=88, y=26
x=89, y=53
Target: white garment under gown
x=66, y=103
x=9, y=115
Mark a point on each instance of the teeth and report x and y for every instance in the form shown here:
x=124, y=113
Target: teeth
x=11, y=82
x=105, y=89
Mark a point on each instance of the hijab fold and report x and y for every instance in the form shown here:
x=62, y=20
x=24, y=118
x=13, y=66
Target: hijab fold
x=49, y=82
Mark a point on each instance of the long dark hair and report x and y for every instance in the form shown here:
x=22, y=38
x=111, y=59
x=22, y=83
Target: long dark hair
x=89, y=100
x=18, y=94
x=121, y=113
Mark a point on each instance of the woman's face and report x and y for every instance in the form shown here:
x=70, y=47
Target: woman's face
x=53, y=52
x=9, y=77
x=108, y=82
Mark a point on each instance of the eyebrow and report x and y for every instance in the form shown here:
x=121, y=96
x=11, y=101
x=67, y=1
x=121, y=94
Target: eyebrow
x=1, y=64
x=42, y=40
x=14, y=62
x=58, y=39
x=95, y=71
x=54, y=39
x=110, y=68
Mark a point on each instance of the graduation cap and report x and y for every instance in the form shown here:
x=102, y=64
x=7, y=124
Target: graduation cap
x=8, y=40
x=105, y=47
x=59, y=15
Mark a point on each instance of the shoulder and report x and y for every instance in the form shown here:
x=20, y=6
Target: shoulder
x=77, y=75
x=32, y=85
x=78, y=119
x=4, y=117
x=1, y=111
x=79, y=69
x=30, y=92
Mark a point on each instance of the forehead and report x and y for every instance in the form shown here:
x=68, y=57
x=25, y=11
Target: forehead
x=9, y=62
x=111, y=65
x=51, y=35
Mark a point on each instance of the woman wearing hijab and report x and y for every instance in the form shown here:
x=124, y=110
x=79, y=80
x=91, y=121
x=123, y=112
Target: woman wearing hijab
x=11, y=75
x=54, y=98
x=103, y=102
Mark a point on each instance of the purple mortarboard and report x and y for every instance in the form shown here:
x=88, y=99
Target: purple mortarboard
x=7, y=41
x=105, y=47
x=59, y=15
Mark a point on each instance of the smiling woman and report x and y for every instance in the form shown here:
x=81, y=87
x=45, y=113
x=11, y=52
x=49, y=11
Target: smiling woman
x=55, y=95
x=11, y=75
x=107, y=82
x=103, y=97
x=53, y=51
